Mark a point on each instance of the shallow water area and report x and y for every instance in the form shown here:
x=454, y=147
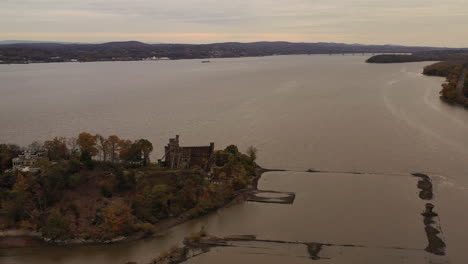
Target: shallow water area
x=355, y=223
x=329, y=113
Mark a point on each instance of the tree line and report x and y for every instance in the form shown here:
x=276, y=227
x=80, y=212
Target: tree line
x=453, y=71
x=86, y=148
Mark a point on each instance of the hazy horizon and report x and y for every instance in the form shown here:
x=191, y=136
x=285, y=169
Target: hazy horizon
x=409, y=23
x=242, y=42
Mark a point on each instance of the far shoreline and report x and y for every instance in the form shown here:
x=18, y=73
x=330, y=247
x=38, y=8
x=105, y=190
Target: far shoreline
x=205, y=58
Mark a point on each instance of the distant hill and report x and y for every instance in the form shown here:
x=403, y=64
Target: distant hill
x=27, y=52
x=125, y=44
x=7, y=42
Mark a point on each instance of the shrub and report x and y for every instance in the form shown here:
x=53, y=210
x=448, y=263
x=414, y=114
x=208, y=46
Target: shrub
x=146, y=228
x=106, y=191
x=125, y=180
x=74, y=208
x=74, y=180
x=232, y=149
x=56, y=227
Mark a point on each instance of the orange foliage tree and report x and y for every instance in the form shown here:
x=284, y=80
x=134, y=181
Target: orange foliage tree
x=118, y=219
x=87, y=144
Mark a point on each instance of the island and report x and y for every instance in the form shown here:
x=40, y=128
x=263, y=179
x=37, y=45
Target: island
x=96, y=189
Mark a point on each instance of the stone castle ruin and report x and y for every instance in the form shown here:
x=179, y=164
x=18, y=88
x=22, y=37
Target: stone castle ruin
x=177, y=157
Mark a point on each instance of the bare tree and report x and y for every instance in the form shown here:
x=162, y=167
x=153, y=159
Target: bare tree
x=114, y=142
x=103, y=147
x=36, y=147
x=73, y=146
x=252, y=152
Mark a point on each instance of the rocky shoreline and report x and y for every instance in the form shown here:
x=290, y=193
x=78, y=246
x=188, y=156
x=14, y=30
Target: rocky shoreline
x=436, y=244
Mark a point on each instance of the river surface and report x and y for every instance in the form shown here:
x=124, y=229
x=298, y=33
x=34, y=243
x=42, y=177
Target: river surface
x=330, y=113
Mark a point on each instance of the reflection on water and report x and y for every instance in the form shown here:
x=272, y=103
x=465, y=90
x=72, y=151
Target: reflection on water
x=297, y=253
x=325, y=112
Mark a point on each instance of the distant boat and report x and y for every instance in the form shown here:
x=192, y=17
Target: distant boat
x=206, y=61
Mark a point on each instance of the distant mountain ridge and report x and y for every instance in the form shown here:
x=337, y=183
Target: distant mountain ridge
x=133, y=42
x=28, y=52
x=9, y=42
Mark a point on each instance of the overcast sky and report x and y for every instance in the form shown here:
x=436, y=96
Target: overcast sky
x=407, y=22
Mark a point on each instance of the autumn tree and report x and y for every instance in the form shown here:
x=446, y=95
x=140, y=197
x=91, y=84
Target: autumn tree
x=7, y=180
x=125, y=152
x=125, y=180
x=57, y=149
x=20, y=205
x=118, y=219
x=145, y=148
x=87, y=144
x=188, y=195
x=135, y=152
x=56, y=226
x=7, y=153
x=157, y=198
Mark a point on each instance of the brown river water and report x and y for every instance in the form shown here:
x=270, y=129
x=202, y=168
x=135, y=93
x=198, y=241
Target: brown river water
x=330, y=113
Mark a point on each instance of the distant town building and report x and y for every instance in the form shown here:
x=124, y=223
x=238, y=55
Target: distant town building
x=26, y=162
x=152, y=58
x=177, y=157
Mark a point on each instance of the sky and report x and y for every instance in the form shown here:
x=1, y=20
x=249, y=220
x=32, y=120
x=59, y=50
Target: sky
x=442, y=23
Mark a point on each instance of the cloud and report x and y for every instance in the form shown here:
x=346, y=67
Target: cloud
x=377, y=21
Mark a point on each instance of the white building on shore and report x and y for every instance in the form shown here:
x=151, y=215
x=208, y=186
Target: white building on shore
x=26, y=162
